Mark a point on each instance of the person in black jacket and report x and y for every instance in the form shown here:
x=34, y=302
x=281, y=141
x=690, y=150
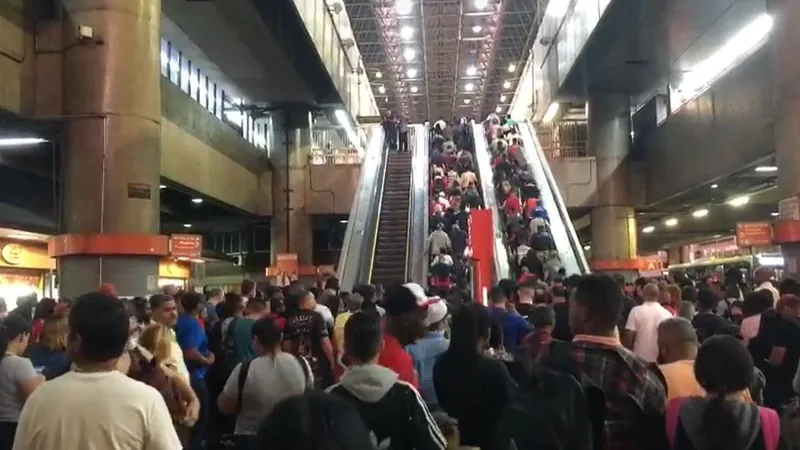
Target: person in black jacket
x=392, y=410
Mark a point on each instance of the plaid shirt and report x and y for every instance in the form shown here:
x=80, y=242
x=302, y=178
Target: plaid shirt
x=634, y=396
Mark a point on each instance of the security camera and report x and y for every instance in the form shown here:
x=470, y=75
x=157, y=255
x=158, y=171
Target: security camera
x=85, y=33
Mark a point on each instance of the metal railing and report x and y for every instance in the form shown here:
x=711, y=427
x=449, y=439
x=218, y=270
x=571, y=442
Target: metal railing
x=565, y=139
x=335, y=157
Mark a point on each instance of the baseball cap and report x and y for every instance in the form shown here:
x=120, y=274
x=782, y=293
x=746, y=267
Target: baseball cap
x=403, y=298
x=437, y=311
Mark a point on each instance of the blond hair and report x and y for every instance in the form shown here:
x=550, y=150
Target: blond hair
x=157, y=340
x=55, y=334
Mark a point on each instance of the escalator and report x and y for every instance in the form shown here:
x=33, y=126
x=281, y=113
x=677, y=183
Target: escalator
x=391, y=248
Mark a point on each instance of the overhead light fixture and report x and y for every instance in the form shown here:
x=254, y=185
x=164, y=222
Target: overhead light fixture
x=409, y=54
x=648, y=230
x=741, y=200
x=512, y=67
x=378, y=74
x=477, y=29
x=671, y=222
x=700, y=213
x=162, y=186
x=412, y=73
x=197, y=200
x=552, y=112
x=382, y=89
x=18, y=142
x=714, y=186
x=503, y=98
x=471, y=71
x=414, y=89
x=406, y=33
x=467, y=101
x=587, y=247
x=187, y=225
x=775, y=214
x=498, y=110
x=481, y=4
x=469, y=87
x=343, y=221
x=507, y=85
x=766, y=169
x=403, y=7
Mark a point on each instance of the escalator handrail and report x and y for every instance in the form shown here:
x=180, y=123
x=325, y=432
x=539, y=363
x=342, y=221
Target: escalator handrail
x=561, y=208
x=370, y=245
x=486, y=176
x=416, y=262
x=362, y=212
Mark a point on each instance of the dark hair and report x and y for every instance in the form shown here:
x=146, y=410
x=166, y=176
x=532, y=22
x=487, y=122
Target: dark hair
x=757, y=302
x=294, y=297
x=723, y=366
x=101, y=323
x=247, y=286
x=314, y=421
x=191, y=301
x=689, y=294
x=367, y=291
x=543, y=316
x=706, y=300
x=44, y=308
x=362, y=336
x=733, y=291
x=213, y=292
x=558, y=291
x=497, y=295
x=11, y=328
x=789, y=286
x=470, y=323
x=267, y=332
x=259, y=303
x=602, y=297
x=231, y=303
x=332, y=283
x=158, y=300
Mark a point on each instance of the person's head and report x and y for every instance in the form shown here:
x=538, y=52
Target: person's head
x=266, y=336
x=733, y=292
x=674, y=294
x=98, y=330
x=214, y=295
x=788, y=306
x=757, y=302
x=789, y=286
x=596, y=305
x=333, y=284
x=526, y=291
x=435, y=314
x=276, y=305
x=543, y=318
x=470, y=329
x=638, y=286
x=193, y=303
x=689, y=294
x=363, y=339
x=706, y=300
x=763, y=274
x=677, y=340
x=559, y=293
x=686, y=310
x=44, y=309
x=157, y=339
x=651, y=292
x=233, y=305
x=366, y=291
x=248, y=288
x=498, y=297
x=314, y=421
x=257, y=307
x=300, y=299
x=55, y=333
x=353, y=302
x=14, y=334
x=405, y=307
x=164, y=310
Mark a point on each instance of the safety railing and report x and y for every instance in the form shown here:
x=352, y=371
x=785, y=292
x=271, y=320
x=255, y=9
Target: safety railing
x=565, y=139
x=565, y=151
x=335, y=157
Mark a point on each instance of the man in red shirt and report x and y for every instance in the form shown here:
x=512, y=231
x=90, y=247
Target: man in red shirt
x=406, y=307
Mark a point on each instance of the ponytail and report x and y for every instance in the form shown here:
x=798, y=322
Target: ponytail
x=717, y=422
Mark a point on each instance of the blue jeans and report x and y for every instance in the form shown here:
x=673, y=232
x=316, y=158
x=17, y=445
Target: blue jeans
x=198, y=432
x=245, y=442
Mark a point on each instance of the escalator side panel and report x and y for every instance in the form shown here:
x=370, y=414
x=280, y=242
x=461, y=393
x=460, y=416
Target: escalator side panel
x=417, y=261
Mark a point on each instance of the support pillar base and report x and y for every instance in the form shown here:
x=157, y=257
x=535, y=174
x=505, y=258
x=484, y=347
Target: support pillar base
x=130, y=275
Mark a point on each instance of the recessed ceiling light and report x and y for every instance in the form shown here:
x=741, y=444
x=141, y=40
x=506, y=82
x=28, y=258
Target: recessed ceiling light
x=671, y=222
x=382, y=89
x=409, y=54
x=506, y=85
x=477, y=29
x=467, y=101
x=412, y=73
x=587, y=247
x=471, y=71
x=766, y=169
x=187, y=225
x=481, y=4
x=739, y=201
x=378, y=74
x=403, y=7
x=14, y=142
x=162, y=186
x=414, y=89
x=406, y=33
x=714, y=186
x=498, y=110
x=776, y=214
x=700, y=213
x=648, y=230
x=469, y=87
x=512, y=67
x=503, y=98
x=197, y=200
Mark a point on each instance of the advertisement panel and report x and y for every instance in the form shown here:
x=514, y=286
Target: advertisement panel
x=481, y=233
x=753, y=234
x=186, y=245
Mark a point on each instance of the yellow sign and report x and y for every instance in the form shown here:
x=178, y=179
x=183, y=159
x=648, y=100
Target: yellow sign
x=12, y=254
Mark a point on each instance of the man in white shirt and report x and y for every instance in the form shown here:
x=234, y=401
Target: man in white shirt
x=642, y=328
x=763, y=277
x=94, y=406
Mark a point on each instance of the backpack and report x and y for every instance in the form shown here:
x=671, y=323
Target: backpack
x=770, y=423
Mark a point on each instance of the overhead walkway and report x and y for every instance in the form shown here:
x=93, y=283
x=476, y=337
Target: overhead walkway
x=385, y=234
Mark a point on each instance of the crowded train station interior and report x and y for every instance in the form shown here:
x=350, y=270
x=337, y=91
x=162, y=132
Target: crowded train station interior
x=399, y=224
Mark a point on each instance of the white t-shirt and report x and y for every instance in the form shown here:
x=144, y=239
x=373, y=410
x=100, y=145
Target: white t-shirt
x=95, y=411
x=767, y=286
x=644, y=320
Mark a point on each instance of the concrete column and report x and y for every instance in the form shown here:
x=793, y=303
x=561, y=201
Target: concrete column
x=786, y=90
x=291, y=146
x=614, y=233
x=112, y=148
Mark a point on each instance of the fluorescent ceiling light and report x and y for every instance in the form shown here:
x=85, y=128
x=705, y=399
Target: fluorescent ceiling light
x=766, y=169
x=403, y=7
x=344, y=121
x=15, y=142
x=714, y=186
x=382, y=89
x=587, y=247
x=162, y=186
x=503, y=98
x=343, y=221
x=187, y=225
x=406, y=33
x=378, y=74
x=739, y=201
x=498, y=110
x=506, y=85
x=551, y=112
x=409, y=54
x=467, y=101
x=414, y=89
x=700, y=213
x=412, y=73
x=648, y=230
x=671, y=222
x=776, y=214
x=197, y=200
x=512, y=67
x=477, y=29
x=481, y=4
x=469, y=87
x=557, y=8
x=471, y=71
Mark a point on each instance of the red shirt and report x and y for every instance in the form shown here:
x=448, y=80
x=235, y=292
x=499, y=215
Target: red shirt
x=530, y=205
x=396, y=358
x=512, y=206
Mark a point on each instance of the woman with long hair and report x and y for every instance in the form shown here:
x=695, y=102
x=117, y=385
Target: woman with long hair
x=49, y=355
x=472, y=388
x=18, y=378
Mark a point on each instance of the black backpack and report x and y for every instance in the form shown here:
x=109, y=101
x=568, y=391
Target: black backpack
x=387, y=423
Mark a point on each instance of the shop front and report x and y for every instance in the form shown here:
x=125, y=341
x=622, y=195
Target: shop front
x=172, y=272
x=25, y=270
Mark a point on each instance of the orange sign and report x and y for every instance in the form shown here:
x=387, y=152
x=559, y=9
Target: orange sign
x=753, y=234
x=186, y=245
x=286, y=263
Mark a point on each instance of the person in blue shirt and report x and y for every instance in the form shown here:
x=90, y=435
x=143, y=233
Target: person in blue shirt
x=194, y=343
x=427, y=350
x=514, y=326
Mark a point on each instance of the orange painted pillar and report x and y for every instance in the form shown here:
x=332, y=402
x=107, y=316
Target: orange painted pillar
x=112, y=149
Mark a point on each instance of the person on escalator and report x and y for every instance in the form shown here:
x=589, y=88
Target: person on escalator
x=437, y=241
x=530, y=204
x=514, y=149
x=542, y=240
x=465, y=161
x=458, y=239
x=471, y=197
x=468, y=177
x=402, y=129
x=390, y=130
x=540, y=213
x=512, y=207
